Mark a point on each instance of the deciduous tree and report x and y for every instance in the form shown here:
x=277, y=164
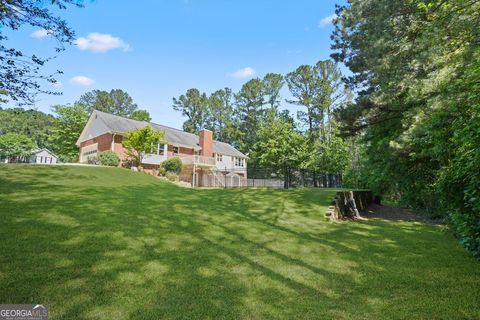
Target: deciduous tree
x=278, y=144
x=137, y=142
x=20, y=73
x=66, y=129
x=33, y=123
x=14, y=145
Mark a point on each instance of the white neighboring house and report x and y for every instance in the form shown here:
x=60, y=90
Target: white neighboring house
x=43, y=156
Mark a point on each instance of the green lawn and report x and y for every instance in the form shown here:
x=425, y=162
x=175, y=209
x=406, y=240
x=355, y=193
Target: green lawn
x=106, y=243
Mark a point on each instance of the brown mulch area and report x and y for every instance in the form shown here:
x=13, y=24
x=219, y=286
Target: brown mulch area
x=394, y=213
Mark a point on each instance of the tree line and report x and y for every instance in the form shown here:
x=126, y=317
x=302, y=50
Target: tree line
x=253, y=120
x=415, y=68
x=250, y=119
x=59, y=131
x=411, y=133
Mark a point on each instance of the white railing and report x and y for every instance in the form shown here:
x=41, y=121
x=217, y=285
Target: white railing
x=150, y=158
x=198, y=160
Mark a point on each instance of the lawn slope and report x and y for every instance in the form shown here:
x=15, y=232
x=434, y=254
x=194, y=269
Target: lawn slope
x=106, y=243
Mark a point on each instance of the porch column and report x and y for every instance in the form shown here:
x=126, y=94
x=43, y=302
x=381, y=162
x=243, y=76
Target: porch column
x=194, y=175
x=113, y=143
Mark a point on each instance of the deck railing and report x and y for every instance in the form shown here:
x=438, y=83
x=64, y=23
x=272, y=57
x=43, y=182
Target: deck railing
x=198, y=160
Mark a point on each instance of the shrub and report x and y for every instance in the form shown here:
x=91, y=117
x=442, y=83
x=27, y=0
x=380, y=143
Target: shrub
x=172, y=176
x=161, y=171
x=109, y=158
x=14, y=145
x=172, y=165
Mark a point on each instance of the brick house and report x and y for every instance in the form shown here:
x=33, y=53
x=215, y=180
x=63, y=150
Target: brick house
x=206, y=162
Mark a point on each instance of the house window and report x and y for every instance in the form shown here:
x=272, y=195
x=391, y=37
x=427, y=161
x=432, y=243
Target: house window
x=175, y=150
x=158, y=148
x=219, y=157
x=239, y=162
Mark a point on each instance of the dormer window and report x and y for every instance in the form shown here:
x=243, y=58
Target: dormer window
x=219, y=157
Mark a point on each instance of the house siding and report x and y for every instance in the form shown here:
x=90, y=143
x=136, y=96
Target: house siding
x=182, y=151
x=118, y=147
x=228, y=163
x=44, y=157
x=96, y=140
x=104, y=143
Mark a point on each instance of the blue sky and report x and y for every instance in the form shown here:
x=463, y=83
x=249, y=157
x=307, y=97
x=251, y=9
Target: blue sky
x=156, y=50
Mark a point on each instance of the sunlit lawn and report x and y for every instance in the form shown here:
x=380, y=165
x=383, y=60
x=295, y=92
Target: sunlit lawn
x=106, y=243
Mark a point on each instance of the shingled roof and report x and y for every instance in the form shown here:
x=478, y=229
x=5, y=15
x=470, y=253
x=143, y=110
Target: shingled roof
x=117, y=124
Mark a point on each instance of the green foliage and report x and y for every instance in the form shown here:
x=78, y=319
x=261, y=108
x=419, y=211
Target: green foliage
x=415, y=66
x=140, y=141
x=116, y=101
x=32, y=123
x=331, y=156
x=66, y=129
x=13, y=145
x=141, y=115
x=193, y=105
x=252, y=121
x=221, y=117
x=462, y=172
x=319, y=90
x=250, y=112
x=173, y=165
x=278, y=144
x=272, y=84
x=20, y=73
x=172, y=176
x=109, y=158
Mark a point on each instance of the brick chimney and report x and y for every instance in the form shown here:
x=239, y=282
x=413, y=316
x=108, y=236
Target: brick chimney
x=206, y=142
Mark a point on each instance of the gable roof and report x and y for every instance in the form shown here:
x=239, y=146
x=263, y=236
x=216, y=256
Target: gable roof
x=116, y=124
x=38, y=150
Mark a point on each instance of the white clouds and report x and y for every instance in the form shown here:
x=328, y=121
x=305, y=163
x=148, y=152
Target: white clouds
x=81, y=81
x=326, y=20
x=243, y=73
x=41, y=33
x=101, y=42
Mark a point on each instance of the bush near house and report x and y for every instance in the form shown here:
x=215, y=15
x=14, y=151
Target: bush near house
x=172, y=165
x=171, y=176
x=109, y=158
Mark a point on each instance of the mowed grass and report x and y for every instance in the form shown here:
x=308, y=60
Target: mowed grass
x=107, y=243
